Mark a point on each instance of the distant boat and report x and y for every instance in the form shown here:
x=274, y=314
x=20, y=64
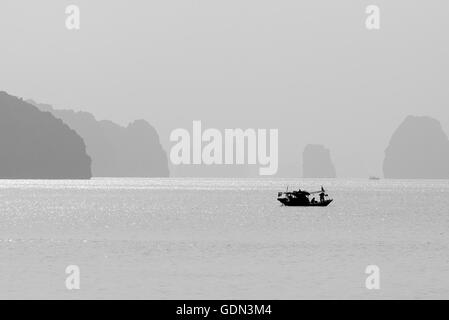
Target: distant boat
x=374, y=178
x=301, y=198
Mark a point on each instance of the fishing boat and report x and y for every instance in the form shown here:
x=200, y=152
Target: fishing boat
x=301, y=198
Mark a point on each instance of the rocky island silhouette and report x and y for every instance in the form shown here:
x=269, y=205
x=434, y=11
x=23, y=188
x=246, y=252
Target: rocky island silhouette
x=317, y=162
x=40, y=142
x=36, y=145
x=116, y=151
x=419, y=149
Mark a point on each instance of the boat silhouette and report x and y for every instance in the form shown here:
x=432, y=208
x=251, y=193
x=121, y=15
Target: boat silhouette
x=301, y=198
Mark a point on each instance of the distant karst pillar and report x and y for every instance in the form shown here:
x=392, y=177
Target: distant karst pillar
x=418, y=149
x=317, y=162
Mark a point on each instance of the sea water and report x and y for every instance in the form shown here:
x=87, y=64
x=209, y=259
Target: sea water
x=222, y=239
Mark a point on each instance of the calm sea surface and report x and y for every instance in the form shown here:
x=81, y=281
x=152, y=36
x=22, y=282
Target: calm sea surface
x=222, y=239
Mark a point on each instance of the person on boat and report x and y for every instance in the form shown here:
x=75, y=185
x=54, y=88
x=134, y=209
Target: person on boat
x=313, y=201
x=322, y=196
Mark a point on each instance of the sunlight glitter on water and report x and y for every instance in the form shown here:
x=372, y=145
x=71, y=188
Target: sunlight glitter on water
x=222, y=238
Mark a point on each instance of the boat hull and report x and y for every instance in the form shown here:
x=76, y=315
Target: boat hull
x=293, y=203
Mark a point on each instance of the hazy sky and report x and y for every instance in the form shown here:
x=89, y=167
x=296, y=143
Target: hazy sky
x=309, y=68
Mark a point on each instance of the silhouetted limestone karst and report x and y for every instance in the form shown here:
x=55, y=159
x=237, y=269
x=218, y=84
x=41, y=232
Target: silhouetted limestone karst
x=36, y=145
x=317, y=162
x=419, y=149
x=116, y=151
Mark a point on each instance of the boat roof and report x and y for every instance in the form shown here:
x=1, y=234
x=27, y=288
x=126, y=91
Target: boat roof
x=297, y=192
x=303, y=192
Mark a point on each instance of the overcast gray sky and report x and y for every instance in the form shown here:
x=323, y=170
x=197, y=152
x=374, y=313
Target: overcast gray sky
x=309, y=68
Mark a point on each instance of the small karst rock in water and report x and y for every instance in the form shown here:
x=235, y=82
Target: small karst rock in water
x=317, y=162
